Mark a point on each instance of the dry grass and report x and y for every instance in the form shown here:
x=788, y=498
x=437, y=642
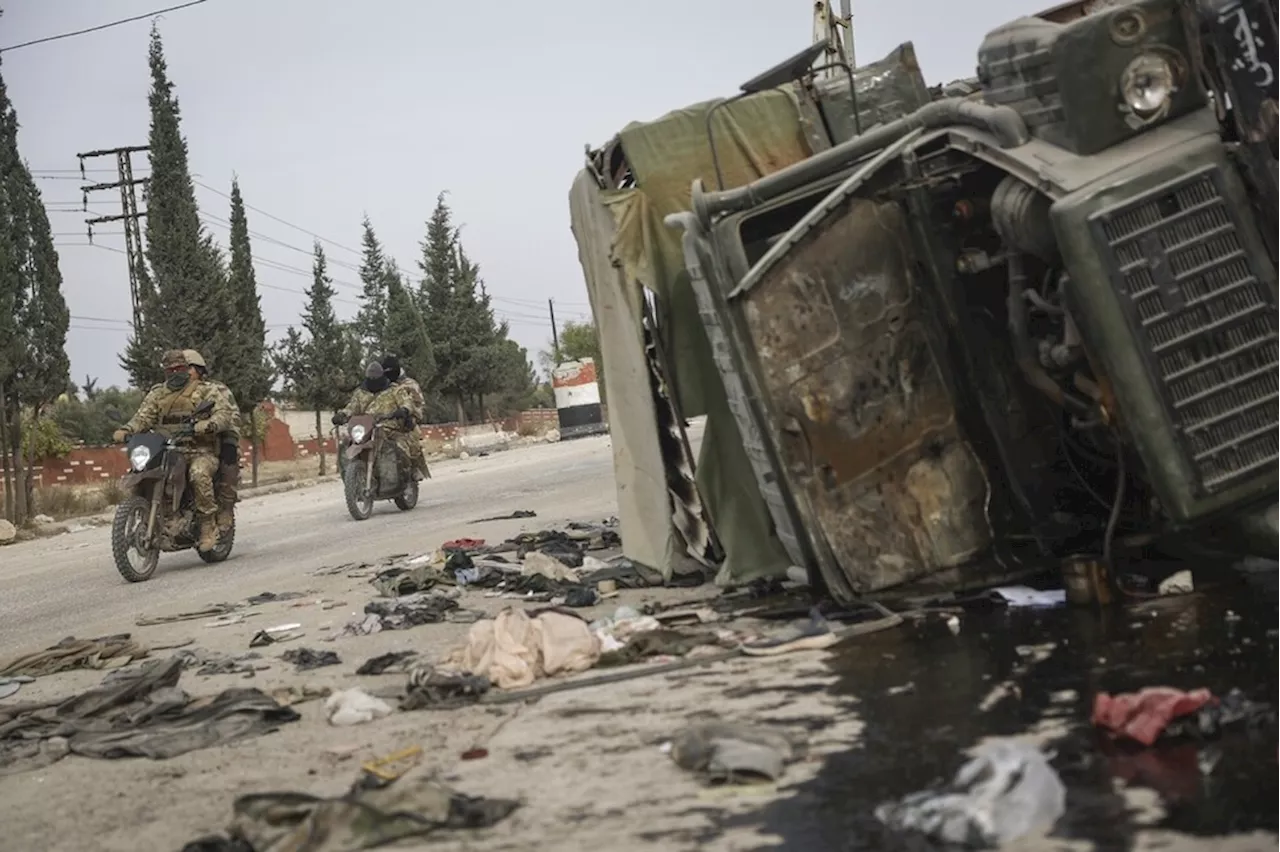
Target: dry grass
x=533, y=429
x=72, y=501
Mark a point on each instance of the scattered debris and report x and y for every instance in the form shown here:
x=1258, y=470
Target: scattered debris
x=1007, y=791
x=363, y=818
x=661, y=642
x=275, y=635
x=384, y=770
x=9, y=686
x=475, y=753
x=108, y=652
x=305, y=659
x=392, y=662
x=145, y=715
x=287, y=696
x=734, y=753
x=1179, y=583
x=207, y=612
x=1160, y=712
x=354, y=707
x=1025, y=596
x=430, y=687
x=272, y=597
x=464, y=544
x=814, y=635
x=410, y=611
x=514, y=650
x=516, y=515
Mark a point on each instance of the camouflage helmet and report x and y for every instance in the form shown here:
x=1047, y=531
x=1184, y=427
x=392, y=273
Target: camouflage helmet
x=194, y=359
x=174, y=358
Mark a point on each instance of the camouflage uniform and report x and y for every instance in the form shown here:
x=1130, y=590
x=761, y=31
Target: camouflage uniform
x=419, y=409
x=229, y=458
x=164, y=410
x=364, y=401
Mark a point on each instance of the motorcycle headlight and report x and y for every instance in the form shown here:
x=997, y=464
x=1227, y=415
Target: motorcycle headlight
x=139, y=457
x=357, y=434
x=1148, y=85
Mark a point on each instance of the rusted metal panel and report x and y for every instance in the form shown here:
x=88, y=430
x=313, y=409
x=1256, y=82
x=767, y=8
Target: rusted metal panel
x=865, y=424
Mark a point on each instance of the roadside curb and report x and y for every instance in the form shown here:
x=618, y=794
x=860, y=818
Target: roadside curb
x=68, y=525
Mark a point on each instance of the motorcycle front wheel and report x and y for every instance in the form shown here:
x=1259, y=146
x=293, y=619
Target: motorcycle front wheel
x=355, y=489
x=126, y=529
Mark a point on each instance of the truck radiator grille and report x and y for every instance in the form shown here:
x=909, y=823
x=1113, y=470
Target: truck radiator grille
x=1206, y=321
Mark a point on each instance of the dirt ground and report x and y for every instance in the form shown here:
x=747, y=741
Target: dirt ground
x=588, y=765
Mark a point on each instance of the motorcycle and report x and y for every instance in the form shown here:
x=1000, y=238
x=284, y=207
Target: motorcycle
x=158, y=515
x=375, y=468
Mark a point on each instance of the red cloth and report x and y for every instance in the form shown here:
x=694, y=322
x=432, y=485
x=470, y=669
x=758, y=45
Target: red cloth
x=463, y=544
x=1143, y=716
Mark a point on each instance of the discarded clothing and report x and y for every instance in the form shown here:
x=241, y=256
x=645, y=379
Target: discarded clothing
x=1161, y=712
x=514, y=650
x=411, y=611
x=305, y=659
x=142, y=716
x=108, y=652
x=395, y=661
x=622, y=571
x=516, y=515
x=656, y=643
x=275, y=635
x=581, y=596
x=814, y=634
x=463, y=544
x=208, y=663
x=354, y=707
x=360, y=819
x=727, y=753
x=1007, y=791
x=395, y=582
x=537, y=563
x=430, y=687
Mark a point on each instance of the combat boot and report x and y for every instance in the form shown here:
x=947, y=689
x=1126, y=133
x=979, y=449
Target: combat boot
x=208, y=533
x=226, y=518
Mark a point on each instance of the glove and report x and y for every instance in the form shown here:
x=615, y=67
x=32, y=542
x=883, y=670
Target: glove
x=339, y=417
x=204, y=427
x=120, y=436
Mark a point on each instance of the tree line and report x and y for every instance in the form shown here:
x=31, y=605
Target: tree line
x=33, y=318
x=195, y=294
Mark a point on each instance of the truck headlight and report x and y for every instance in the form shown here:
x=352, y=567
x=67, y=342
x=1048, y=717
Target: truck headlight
x=1148, y=85
x=357, y=434
x=139, y=457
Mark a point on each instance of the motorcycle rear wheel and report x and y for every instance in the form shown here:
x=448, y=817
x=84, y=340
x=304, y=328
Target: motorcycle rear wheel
x=355, y=489
x=408, y=498
x=226, y=541
x=124, y=535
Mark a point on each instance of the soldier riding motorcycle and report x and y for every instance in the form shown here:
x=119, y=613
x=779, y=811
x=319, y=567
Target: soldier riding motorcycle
x=378, y=463
x=172, y=444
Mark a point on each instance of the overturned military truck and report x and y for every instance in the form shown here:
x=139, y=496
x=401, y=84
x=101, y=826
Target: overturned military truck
x=944, y=335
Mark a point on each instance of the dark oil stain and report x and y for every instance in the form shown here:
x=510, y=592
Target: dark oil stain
x=1221, y=639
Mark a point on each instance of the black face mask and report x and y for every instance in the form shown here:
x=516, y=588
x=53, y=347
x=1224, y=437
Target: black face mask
x=176, y=381
x=376, y=385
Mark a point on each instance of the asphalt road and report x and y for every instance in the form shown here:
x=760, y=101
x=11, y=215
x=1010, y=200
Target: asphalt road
x=68, y=585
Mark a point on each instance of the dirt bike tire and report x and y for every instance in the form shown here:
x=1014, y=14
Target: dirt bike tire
x=223, y=550
x=353, y=482
x=120, y=544
x=407, y=499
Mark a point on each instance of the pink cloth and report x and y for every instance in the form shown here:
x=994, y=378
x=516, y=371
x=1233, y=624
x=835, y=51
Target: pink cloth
x=1143, y=716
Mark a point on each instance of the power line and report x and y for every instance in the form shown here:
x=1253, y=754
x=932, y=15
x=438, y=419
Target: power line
x=311, y=234
x=99, y=27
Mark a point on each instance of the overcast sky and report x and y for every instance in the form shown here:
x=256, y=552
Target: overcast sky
x=327, y=110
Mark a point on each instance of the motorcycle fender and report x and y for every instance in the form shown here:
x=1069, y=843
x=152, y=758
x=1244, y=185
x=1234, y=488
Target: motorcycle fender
x=356, y=450
x=134, y=478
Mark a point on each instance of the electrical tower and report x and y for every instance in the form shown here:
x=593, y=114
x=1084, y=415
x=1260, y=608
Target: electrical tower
x=129, y=215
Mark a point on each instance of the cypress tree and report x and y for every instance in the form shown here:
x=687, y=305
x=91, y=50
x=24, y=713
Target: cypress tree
x=371, y=319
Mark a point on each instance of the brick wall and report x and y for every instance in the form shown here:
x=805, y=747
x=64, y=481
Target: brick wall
x=91, y=465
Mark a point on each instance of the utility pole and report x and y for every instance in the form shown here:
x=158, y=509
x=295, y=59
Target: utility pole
x=555, y=336
x=129, y=215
